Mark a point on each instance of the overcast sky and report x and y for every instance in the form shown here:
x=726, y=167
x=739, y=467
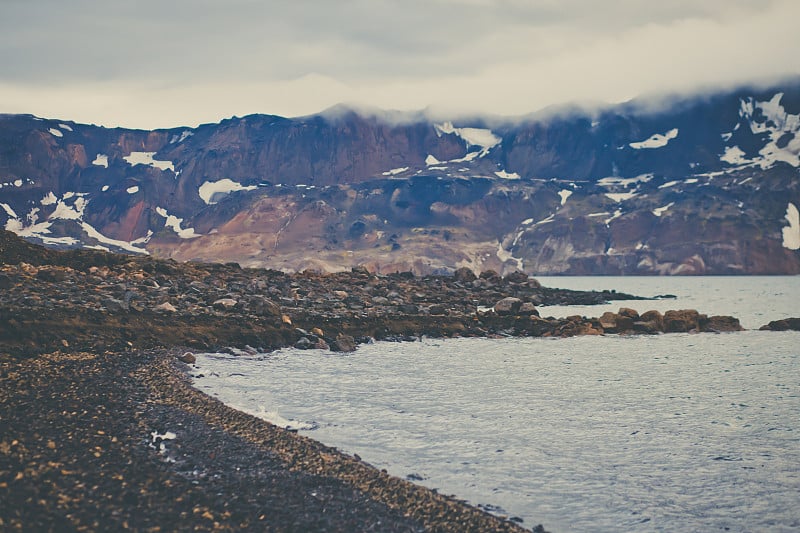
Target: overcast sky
x=165, y=63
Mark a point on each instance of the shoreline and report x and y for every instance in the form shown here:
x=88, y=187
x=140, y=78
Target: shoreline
x=82, y=445
x=91, y=388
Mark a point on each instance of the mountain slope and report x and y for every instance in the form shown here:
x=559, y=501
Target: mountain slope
x=699, y=186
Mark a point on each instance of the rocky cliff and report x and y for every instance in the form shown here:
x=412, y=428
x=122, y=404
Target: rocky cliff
x=705, y=185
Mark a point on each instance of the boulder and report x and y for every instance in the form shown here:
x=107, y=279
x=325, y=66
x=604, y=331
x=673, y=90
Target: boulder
x=628, y=312
x=653, y=317
x=166, y=307
x=516, y=277
x=681, y=321
x=225, y=304
x=188, y=358
x=508, y=306
x=720, y=323
x=304, y=343
x=437, y=309
x=343, y=343
x=262, y=306
x=786, y=324
x=490, y=275
x=608, y=321
x=113, y=305
x=464, y=275
x=527, y=308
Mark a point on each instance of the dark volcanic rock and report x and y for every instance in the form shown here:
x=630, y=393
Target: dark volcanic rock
x=787, y=324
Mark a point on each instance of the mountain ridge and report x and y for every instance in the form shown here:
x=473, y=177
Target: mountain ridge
x=706, y=186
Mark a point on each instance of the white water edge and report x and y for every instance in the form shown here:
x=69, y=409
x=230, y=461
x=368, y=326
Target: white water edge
x=673, y=432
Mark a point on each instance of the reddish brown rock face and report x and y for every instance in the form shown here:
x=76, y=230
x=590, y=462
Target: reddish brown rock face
x=568, y=194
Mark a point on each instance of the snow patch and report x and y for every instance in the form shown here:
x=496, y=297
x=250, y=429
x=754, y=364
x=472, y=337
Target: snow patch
x=132, y=190
x=101, y=160
x=63, y=211
x=430, y=160
x=65, y=127
x=616, y=215
x=734, y=156
x=10, y=212
x=504, y=255
x=146, y=158
x=105, y=188
x=484, y=138
x=620, y=196
x=624, y=182
x=49, y=199
x=658, y=140
x=661, y=210
x=791, y=234
x=506, y=175
x=182, y=137
x=175, y=223
x=668, y=184
x=778, y=125
x=129, y=246
x=395, y=171
x=211, y=189
x=55, y=133
x=564, y=194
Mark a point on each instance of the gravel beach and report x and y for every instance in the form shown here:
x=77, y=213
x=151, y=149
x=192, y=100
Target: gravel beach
x=113, y=441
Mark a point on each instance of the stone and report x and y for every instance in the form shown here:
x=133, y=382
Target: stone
x=508, y=306
x=464, y=275
x=262, y=306
x=490, y=275
x=113, y=305
x=343, y=343
x=628, y=312
x=52, y=274
x=681, y=321
x=534, y=283
x=720, y=323
x=6, y=282
x=608, y=321
x=188, y=358
x=527, y=308
x=786, y=324
x=516, y=277
x=653, y=317
x=318, y=332
x=437, y=309
x=304, y=344
x=286, y=320
x=320, y=344
x=225, y=304
x=166, y=307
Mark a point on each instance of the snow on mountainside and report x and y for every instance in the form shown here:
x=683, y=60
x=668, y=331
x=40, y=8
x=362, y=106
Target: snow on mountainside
x=709, y=185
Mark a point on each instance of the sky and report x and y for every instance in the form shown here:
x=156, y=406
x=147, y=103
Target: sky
x=169, y=63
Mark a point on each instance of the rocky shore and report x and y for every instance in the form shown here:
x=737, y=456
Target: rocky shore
x=100, y=430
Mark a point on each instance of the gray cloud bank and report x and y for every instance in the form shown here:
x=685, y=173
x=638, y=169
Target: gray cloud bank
x=158, y=64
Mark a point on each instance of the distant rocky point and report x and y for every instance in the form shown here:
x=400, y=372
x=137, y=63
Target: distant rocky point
x=95, y=301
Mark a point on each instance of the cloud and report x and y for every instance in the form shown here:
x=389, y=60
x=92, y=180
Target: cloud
x=185, y=62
